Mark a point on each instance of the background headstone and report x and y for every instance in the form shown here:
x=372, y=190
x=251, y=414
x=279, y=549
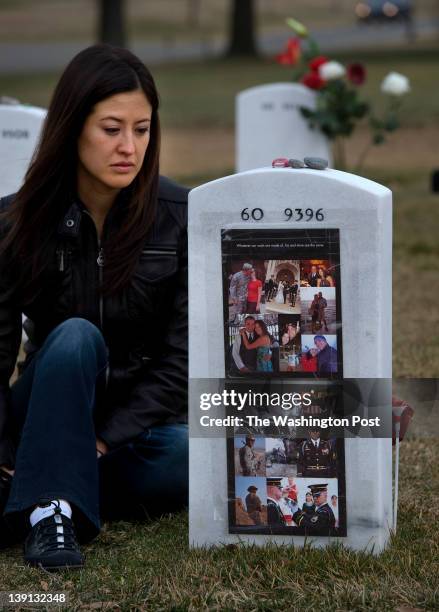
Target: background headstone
x=362, y=212
x=20, y=128
x=269, y=124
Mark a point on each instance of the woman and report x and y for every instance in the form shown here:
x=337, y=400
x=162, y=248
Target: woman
x=290, y=332
x=314, y=311
x=262, y=345
x=254, y=291
x=308, y=506
x=93, y=252
x=324, y=279
x=280, y=293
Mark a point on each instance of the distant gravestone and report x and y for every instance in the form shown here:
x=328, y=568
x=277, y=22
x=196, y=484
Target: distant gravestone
x=285, y=236
x=269, y=124
x=20, y=128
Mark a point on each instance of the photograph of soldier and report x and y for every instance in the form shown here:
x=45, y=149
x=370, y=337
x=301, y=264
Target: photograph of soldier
x=290, y=343
x=245, y=288
x=322, y=519
x=317, y=457
x=282, y=278
x=238, y=291
x=317, y=273
x=281, y=456
x=250, y=503
x=324, y=349
x=253, y=505
x=242, y=359
x=275, y=516
x=318, y=310
x=249, y=455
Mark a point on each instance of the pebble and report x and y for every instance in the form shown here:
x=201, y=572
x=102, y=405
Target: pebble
x=296, y=163
x=316, y=163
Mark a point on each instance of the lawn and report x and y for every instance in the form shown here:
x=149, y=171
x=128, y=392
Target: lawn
x=150, y=567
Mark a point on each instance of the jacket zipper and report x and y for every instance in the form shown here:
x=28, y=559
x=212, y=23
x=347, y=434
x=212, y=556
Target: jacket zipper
x=160, y=251
x=101, y=262
x=60, y=255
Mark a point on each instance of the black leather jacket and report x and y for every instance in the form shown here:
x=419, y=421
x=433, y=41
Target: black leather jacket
x=144, y=326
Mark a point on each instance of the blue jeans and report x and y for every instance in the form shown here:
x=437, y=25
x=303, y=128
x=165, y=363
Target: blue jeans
x=53, y=406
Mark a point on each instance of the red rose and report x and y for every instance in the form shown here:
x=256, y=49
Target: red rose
x=292, y=53
x=313, y=81
x=317, y=62
x=356, y=73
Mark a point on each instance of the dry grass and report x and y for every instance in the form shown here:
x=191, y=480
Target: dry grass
x=149, y=566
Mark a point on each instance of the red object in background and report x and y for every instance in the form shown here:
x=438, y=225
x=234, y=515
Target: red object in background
x=356, y=74
x=404, y=419
x=317, y=62
x=308, y=364
x=292, y=493
x=292, y=53
x=313, y=81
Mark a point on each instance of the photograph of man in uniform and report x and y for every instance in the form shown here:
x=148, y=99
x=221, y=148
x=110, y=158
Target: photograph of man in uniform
x=253, y=505
x=322, y=520
x=238, y=291
x=275, y=515
x=250, y=501
x=249, y=456
x=317, y=457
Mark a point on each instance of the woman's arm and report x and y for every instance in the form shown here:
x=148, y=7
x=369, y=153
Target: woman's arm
x=259, y=297
x=162, y=392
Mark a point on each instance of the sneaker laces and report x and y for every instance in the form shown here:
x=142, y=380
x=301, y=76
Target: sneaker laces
x=57, y=532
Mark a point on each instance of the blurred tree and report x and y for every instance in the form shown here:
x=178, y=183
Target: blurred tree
x=242, y=29
x=112, y=22
x=193, y=13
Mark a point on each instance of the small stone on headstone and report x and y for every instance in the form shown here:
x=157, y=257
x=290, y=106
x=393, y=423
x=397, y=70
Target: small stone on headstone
x=296, y=163
x=316, y=163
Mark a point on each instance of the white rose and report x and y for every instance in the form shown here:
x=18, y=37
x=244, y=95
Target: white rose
x=331, y=70
x=395, y=84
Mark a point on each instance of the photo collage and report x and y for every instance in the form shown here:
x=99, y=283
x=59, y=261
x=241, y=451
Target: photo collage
x=289, y=479
x=282, y=319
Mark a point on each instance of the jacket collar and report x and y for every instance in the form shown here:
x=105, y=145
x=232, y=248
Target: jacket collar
x=71, y=222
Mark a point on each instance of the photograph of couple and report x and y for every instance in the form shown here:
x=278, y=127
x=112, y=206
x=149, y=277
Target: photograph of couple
x=246, y=289
x=317, y=273
x=282, y=286
x=318, y=310
x=253, y=345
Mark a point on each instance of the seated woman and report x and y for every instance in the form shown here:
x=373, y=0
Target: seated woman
x=94, y=253
x=261, y=345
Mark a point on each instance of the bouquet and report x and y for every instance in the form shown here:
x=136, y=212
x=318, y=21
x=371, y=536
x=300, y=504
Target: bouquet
x=339, y=104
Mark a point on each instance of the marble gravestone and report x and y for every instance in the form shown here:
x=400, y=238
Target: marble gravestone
x=20, y=128
x=269, y=124
x=360, y=212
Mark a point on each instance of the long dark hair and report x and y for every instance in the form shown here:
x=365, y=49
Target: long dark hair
x=93, y=75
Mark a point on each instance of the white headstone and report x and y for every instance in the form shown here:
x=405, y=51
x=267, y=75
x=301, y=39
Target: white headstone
x=357, y=213
x=20, y=128
x=269, y=124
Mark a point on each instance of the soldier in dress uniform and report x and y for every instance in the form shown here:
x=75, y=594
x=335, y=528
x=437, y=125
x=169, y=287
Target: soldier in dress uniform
x=254, y=505
x=275, y=515
x=317, y=457
x=322, y=519
x=248, y=458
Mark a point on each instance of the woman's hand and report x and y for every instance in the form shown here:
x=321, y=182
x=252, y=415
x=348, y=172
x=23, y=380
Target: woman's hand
x=101, y=447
